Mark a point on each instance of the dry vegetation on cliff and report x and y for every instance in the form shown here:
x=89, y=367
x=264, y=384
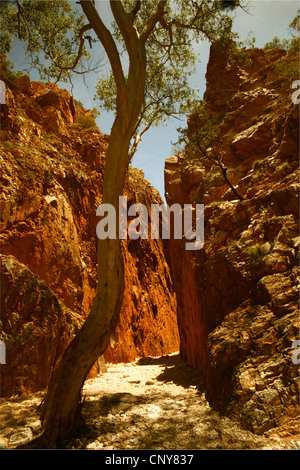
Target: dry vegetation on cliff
x=235, y=300
x=53, y=159
x=238, y=304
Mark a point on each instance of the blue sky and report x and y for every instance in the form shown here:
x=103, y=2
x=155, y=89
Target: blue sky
x=266, y=19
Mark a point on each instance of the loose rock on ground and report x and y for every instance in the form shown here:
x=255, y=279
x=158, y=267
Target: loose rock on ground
x=152, y=403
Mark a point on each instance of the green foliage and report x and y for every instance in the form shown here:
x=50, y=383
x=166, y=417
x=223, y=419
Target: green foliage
x=78, y=103
x=277, y=43
x=50, y=30
x=204, y=128
x=231, y=4
x=256, y=252
x=170, y=58
x=259, y=166
x=8, y=144
x=7, y=69
x=53, y=34
x=288, y=71
x=295, y=44
x=295, y=24
x=236, y=50
x=178, y=180
x=288, y=44
x=84, y=122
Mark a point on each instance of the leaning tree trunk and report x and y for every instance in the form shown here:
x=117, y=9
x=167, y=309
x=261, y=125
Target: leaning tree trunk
x=61, y=410
x=224, y=173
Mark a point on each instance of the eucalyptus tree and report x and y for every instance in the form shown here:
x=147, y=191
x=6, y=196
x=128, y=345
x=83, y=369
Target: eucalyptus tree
x=199, y=140
x=149, y=47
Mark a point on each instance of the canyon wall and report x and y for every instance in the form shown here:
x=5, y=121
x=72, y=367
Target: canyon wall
x=148, y=321
x=53, y=159
x=238, y=296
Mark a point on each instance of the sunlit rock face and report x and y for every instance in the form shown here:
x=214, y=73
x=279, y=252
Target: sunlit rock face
x=53, y=160
x=237, y=297
x=148, y=320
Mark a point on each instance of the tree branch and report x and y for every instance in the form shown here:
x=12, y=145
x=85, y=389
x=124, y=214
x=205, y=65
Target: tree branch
x=128, y=31
x=85, y=28
x=191, y=25
x=19, y=17
x=138, y=136
x=135, y=11
x=218, y=161
x=107, y=41
x=153, y=20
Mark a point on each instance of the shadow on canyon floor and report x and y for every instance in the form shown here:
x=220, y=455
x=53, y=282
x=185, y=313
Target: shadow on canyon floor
x=176, y=371
x=167, y=410
x=153, y=403
x=159, y=421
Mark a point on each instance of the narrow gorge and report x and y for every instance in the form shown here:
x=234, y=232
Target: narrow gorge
x=231, y=308
x=53, y=158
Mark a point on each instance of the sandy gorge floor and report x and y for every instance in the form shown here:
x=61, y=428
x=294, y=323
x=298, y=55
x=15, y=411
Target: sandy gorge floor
x=153, y=403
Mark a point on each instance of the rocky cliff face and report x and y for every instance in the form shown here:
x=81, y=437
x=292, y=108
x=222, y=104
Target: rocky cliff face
x=53, y=159
x=148, y=321
x=237, y=296
x=36, y=328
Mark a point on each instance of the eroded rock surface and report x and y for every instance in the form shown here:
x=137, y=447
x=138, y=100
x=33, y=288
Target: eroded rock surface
x=238, y=296
x=53, y=158
x=36, y=328
x=151, y=403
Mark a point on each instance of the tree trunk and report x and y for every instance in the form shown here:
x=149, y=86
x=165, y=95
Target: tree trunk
x=61, y=409
x=224, y=172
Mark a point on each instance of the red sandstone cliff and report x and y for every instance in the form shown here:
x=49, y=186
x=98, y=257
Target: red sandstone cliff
x=148, y=321
x=53, y=158
x=237, y=297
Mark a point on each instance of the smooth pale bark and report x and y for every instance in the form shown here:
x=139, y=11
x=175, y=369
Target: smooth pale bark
x=61, y=410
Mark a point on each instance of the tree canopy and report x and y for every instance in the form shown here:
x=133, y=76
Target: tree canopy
x=52, y=32
x=58, y=41
x=170, y=56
